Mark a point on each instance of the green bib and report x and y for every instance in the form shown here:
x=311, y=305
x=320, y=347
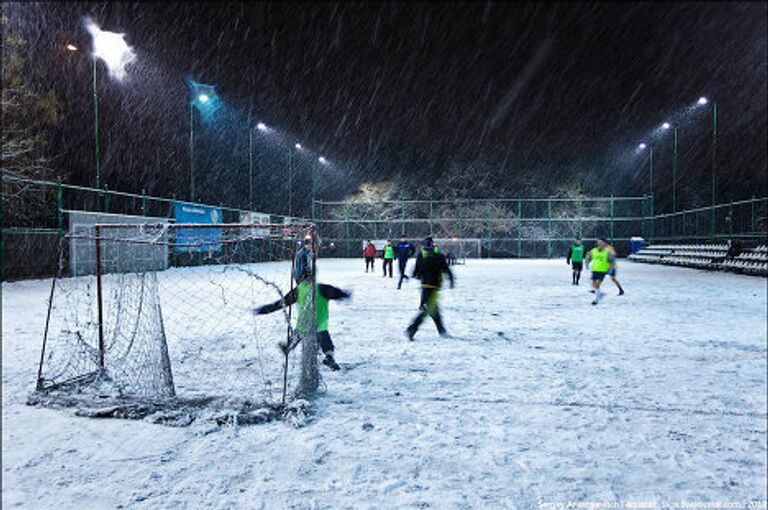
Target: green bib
x=600, y=262
x=577, y=253
x=304, y=312
x=389, y=252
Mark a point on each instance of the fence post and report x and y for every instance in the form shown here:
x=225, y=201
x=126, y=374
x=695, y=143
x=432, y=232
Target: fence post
x=60, y=207
x=402, y=219
x=99, y=297
x=519, y=229
x=730, y=222
x=611, y=219
x=375, y=225
x=143, y=202
x=173, y=241
x=106, y=199
x=581, y=228
x=458, y=234
x=753, y=215
x=684, y=220
x=430, y=217
x=549, y=228
x=490, y=227
x=346, y=224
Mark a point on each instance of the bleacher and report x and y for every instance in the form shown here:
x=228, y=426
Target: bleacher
x=706, y=256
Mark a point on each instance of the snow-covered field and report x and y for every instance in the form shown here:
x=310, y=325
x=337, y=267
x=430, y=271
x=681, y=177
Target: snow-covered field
x=539, y=400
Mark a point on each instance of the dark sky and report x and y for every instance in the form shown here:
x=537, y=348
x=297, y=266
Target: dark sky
x=552, y=92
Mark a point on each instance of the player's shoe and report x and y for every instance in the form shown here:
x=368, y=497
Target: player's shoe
x=410, y=333
x=594, y=302
x=621, y=292
x=329, y=362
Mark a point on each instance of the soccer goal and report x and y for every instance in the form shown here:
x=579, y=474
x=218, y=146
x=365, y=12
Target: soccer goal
x=162, y=312
x=458, y=250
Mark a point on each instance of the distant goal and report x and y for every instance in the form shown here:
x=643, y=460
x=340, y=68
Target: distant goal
x=161, y=315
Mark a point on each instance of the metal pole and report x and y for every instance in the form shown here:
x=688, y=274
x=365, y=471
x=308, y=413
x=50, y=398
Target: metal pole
x=674, y=183
x=519, y=229
x=458, y=234
x=106, y=198
x=430, y=217
x=99, y=297
x=60, y=204
x=314, y=177
x=490, y=227
x=580, y=217
x=143, y=202
x=611, y=219
x=650, y=183
x=290, y=182
x=191, y=152
x=753, y=213
x=250, y=168
x=549, y=228
x=96, y=127
x=714, y=148
x=402, y=219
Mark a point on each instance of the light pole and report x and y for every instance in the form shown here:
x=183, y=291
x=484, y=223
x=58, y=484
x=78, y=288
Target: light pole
x=261, y=127
x=204, y=99
x=644, y=146
x=112, y=49
x=322, y=161
x=666, y=125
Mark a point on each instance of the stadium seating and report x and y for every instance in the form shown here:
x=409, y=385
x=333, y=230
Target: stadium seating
x=706, y=256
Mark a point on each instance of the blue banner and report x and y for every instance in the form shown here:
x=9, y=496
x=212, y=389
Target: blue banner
x=197, y=239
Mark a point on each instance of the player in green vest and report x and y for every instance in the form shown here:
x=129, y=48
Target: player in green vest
x=300, y=295
x=575, y=258
x=602, y=260
x=389, y=257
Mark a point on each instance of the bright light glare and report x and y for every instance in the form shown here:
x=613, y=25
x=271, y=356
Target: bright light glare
x=203, y=98
x=703, y=100
x=298, y=146
x=665, y=125
x=111, y=48
x=642, y=146
x=322, y=160
x=71, y=47
x=261, y=126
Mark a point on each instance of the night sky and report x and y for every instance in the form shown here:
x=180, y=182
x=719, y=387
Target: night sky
x=538, y=94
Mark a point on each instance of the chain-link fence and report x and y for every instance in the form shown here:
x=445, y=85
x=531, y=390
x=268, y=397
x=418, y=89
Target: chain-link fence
x=36, y=217
x=533, y=227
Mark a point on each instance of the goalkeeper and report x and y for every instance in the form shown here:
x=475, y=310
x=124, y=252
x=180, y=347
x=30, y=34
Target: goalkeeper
x=300, y=295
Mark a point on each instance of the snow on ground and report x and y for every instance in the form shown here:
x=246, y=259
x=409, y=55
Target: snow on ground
x=539, y=399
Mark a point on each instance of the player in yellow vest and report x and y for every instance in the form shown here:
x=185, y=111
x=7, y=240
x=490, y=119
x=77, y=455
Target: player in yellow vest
x=602, y=260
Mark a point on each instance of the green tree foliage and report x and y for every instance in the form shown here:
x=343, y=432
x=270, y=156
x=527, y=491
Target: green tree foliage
x=27, y=113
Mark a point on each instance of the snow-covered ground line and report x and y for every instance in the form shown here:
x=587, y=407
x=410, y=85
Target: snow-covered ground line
x=539, y=398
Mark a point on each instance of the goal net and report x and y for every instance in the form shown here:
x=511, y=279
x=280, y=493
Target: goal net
x=458, y=250
x=164, y=313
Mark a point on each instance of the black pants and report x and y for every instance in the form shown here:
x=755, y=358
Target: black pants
x=369, y=262
x=401, y=263
x=388, y=263
x=429, y=307
x=326, y=344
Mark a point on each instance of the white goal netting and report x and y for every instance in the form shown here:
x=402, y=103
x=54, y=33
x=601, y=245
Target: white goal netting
x=164, y=313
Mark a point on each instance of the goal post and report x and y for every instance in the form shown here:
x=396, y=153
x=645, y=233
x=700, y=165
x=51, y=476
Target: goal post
x=123, y=322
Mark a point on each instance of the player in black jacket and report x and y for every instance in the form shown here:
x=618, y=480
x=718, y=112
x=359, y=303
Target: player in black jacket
x=430, y=267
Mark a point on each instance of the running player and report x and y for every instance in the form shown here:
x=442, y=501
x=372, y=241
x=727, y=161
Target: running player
x=430, y=267
x=575, y=258
x=602, y=260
